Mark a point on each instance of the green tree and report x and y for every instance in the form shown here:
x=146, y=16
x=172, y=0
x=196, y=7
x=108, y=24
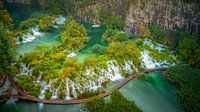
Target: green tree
x=98, y=49
x=124, y=51
x=189, y=51
x=5, y=19
x=46, y=23
x=7, y=52
x=117, y=103
x=187, y=81
x=74, y=36
x=111, y=35
x=110, y=20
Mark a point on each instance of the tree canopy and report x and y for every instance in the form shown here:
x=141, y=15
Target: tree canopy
x=187, y=80
x=74, y=36
x=189, y=51
x=7, y=43
x=111, y=35
x=117, y=103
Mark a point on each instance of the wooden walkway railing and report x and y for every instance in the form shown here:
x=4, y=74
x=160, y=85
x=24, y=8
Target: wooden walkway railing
x=24, y=96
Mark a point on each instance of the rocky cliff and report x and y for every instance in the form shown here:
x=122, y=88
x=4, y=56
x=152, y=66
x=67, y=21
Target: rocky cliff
x=165, y=13
x=170, y=14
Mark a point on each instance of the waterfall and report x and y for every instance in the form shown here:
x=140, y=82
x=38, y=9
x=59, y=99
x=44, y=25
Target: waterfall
x=73, y=54
x=55, y=93
x=32, y=34
x=114, y=70
x=5, y=87
x=39, y=78
x=67, y=90
x=60, y=20
x=147, y=61
x=44, y=87
x=157, y=46
x=73, y=89
x=25, y=70
x=95, y=26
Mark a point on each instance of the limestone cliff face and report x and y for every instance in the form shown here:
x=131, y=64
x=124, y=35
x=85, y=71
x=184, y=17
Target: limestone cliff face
x=164, y=13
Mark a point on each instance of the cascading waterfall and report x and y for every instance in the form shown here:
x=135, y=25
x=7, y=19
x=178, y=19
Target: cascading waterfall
x=44, y=87
x=67, y=89
x=147, y=61
x=40, y=77
x=113, y=71
x=25, y=70
x=73, y=88
x=55, y=93
x=5, y=87
x=159, y=47
x=32, y=34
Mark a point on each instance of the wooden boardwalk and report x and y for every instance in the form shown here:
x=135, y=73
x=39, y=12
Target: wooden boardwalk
x=24, y=96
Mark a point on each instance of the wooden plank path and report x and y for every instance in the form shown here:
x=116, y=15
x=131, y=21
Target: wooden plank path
x=22, y=95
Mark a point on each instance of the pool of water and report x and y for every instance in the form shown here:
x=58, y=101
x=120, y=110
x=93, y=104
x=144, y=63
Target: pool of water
x=152, y=95
x=24, y=106
x=49, y=39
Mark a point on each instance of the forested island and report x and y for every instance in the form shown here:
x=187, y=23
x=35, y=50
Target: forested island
x=99, y=56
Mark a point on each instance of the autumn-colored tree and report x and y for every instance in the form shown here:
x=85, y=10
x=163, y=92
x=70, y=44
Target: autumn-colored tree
x=145, y=31
x=125, y=51
x=46, y=23
x=74, y=36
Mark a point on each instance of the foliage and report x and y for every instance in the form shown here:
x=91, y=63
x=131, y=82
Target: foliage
x=110, y=20
x=186, y=80
x=62, y=92
x=145, y=31
x=31, y=58
x=7, y=52
x=74, y=36
x=71, y=69
x=26, y=83
x=46, y=23
x=106, y=83
x=90, y=93
x=117, y=103
x=47, y=94
x=111, y=35
x=28, y=23
x=125, y=51
x=158, y=33
x=5, y=19
x=98, y=49
x=155, y=54
x=189, y=51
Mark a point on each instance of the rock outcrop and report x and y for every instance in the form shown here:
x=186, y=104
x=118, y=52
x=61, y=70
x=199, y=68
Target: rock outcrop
x=165, y=13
